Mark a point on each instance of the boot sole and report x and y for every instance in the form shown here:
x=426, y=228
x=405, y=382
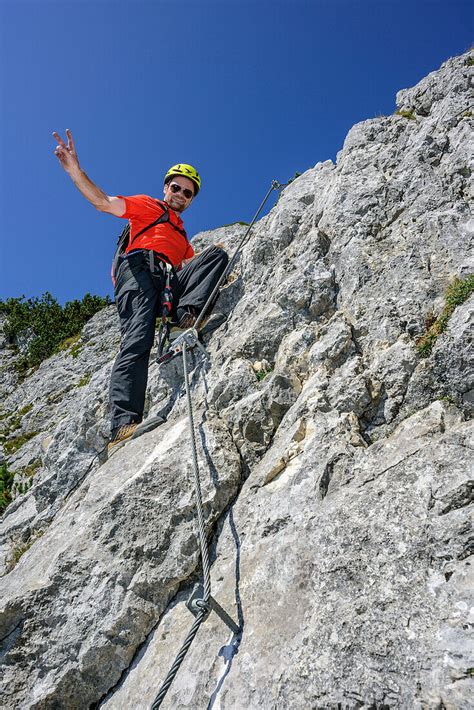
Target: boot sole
x=143, y=428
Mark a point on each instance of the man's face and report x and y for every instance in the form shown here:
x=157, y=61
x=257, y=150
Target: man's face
x=178, y=200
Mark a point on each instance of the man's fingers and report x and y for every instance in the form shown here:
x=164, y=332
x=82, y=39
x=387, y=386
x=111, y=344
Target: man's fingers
x=60, y=154
x=70, y=141
x=59, y=139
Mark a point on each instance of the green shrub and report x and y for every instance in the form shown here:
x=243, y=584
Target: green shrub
x=20, y=550
x=17, y=554
x=12, y=445
x=261, y=374
x=6, y=483
x=75, y=350
x=66, y=344
x=231, y=224
x=46, y=324
x=448, y=399
x=84, y=381
x=295, y=176
x=8, y=488
x=458, y=292
x=24, y=410
x=410, y=114
x=29, y=471
x=21, y=367
x=14, y=421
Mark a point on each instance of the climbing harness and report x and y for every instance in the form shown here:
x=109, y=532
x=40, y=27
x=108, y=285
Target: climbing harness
x=201, y=602
x=166, y=306
x=124, y=239
x=191, y=336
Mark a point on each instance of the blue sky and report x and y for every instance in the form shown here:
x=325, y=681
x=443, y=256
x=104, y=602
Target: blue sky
x=245, y=91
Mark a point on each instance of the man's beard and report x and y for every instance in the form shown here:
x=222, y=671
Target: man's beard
x=176, y=206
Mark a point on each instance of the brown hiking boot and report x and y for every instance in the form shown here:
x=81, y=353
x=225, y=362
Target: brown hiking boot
x=120, y=435
x=231, y=277
x=187, y=321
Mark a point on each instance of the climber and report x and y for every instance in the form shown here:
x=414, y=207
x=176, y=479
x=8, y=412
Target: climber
x=157, y=242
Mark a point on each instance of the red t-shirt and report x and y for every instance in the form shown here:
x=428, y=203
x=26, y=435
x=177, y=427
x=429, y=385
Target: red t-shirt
x=142, y=210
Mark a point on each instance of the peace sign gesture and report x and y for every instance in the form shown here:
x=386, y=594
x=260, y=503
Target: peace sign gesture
x=66, y=153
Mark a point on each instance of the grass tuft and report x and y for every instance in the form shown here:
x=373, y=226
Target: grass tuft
x=410, y=114
x=75, y=350
x=29, y=471
x=84, y=380
x=11, y=422
x=12, y=445
x=20, y=550
x=66, y=344
x=458, y=292
x=6, y=483
x=261, y=374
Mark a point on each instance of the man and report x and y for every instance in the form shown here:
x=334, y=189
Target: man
x=157, y=238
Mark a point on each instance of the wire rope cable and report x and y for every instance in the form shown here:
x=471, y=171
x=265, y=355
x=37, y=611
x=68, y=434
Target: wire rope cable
x=197, y=484
x=274, y=186
x=204, y=604
x=178, y=660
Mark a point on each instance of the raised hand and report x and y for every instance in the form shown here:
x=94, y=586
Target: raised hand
x=66, y=153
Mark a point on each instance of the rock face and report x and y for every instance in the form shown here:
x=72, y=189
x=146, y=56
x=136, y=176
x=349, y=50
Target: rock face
x=334, y=461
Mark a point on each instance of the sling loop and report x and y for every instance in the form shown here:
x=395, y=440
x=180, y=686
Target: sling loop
x=201, y=602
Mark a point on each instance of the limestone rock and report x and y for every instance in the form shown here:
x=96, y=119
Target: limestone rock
x=335, y=461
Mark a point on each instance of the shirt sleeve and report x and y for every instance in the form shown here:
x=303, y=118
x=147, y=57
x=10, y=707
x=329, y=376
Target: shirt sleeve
x=139, y=207
x=189, y=252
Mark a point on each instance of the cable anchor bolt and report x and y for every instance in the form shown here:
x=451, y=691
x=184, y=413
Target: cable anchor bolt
x=190, y=338
x=196, y=604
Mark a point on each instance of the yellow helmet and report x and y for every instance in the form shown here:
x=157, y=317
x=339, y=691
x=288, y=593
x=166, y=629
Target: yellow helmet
x=187, y=171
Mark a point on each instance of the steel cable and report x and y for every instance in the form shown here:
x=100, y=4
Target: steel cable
x=274, y=186
x=178, y=660
x=204, y=603
x=204, y=551
x=197, y=484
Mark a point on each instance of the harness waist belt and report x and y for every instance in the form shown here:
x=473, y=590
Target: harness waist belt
x=147, y=253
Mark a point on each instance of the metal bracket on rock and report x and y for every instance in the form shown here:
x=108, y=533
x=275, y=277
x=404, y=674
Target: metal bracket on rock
x=196, y=604
x=190, y=339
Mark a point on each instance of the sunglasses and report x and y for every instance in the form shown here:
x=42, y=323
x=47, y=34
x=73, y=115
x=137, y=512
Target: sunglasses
x=174, y=187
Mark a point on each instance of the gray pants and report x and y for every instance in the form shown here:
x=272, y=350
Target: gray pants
x=138, y=300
